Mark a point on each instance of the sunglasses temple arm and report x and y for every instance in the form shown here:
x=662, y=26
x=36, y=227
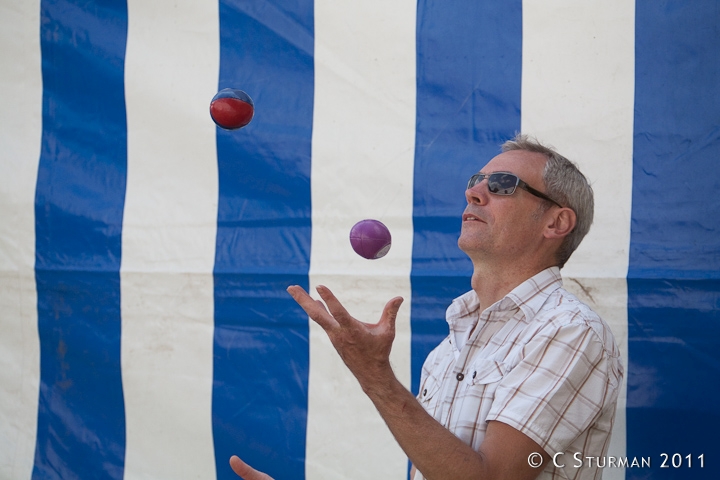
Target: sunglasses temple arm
x=538, y=193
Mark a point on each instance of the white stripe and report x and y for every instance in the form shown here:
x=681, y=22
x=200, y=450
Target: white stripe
x=362, y=167
x=577, y=94
x=21, y=120
x=169, y=230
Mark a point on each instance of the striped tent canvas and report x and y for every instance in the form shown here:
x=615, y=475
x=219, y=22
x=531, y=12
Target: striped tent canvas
x=145, y=331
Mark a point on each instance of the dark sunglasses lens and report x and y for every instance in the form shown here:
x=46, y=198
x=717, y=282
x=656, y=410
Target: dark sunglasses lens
x=502, y=183
x=474, y=180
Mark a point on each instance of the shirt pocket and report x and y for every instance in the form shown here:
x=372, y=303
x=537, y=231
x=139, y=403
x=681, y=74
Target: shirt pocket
x=429, y=394
x=484, y=371
x=429, y=389
x=473, y=399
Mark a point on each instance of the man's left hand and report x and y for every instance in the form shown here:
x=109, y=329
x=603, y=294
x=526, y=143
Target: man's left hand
x=364, y=347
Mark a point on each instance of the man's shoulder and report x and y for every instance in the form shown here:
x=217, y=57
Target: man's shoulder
x=563, y=310
x=562, y=302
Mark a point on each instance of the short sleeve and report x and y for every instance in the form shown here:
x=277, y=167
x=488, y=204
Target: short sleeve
x=562, y=382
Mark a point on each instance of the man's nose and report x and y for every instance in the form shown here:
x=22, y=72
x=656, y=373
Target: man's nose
x=478, y=193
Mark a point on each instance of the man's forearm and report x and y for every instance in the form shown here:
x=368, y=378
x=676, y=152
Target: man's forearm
x=433, y=449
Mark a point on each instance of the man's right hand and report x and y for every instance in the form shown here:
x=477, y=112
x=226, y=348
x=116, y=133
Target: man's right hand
x=245, y=471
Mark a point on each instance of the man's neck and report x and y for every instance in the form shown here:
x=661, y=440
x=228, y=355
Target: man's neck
x=491, y=283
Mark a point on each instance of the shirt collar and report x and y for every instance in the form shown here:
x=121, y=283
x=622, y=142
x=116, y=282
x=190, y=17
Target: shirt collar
x=463, y=311
x=529, y=296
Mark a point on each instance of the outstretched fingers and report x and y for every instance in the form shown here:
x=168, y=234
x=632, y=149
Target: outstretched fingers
x=335, y=315
x=334, y=306
x=314, y=308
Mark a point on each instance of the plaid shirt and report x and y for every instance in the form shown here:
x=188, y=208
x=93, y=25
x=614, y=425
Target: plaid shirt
x=538, y=360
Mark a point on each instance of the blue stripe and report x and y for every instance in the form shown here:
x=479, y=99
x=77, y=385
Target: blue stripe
x=673, y=279
x=261, y=360
x=469, y=60
x=78, y=218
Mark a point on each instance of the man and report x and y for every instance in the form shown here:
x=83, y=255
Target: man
x=528, y=376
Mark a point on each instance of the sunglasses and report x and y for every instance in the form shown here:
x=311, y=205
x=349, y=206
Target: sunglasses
x=505, y=183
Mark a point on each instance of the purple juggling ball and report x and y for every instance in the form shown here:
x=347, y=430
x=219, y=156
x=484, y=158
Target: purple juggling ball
x=370, y=239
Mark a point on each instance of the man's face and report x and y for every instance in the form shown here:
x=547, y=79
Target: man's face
x=503, y=227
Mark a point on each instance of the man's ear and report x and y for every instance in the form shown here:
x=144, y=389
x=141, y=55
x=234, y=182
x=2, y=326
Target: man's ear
x=561, y=223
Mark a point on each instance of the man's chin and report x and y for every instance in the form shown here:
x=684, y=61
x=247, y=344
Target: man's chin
x=468, y=245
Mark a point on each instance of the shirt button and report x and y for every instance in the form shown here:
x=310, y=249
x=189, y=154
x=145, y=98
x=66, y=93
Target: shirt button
x=424, y=392
x=460, y=376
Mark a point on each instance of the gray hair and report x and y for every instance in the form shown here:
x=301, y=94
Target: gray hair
x=565, y=184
